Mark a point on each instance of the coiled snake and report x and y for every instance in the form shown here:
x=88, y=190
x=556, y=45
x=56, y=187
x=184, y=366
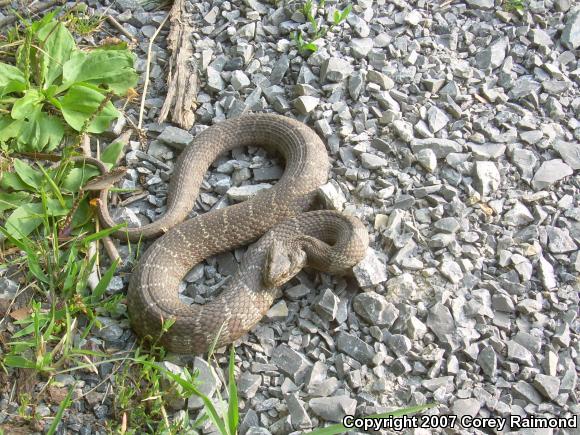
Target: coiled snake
x=325, y=240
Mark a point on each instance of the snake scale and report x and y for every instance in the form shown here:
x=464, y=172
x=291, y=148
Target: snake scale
x=292, y=238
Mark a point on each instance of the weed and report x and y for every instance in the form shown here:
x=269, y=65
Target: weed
x=318, y=26
x=514, y=5
x=54, y=86
x=84, y=24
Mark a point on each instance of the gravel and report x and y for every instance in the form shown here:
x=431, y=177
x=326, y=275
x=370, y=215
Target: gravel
x=453, y=132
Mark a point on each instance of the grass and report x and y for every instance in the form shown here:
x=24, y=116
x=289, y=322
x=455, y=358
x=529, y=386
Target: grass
x=314, y=12
x=514, y=5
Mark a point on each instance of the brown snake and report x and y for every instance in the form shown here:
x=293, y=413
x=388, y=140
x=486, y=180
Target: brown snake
x=325, y=240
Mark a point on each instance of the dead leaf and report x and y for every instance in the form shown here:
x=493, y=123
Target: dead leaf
x=20, y=313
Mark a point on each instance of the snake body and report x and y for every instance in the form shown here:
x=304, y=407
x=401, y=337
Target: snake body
x=325, y=240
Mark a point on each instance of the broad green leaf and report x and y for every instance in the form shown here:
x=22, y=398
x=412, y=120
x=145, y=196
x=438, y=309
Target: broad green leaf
x=80, y=104
x=77, y=177
x=28, y=217
x=11, y=79
x=13, y=200
x=112, y=152
x=57, y=48
x=27, y=174
x=9, y=128
x=11, y=181
x=40, y=132
x=28, y=105
x=113, y=68
x=24, y=220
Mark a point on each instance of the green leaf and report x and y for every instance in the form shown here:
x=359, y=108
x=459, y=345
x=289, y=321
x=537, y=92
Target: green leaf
x=104, y=282
x=113, y=68
x=11, y=79
x=233, y=416
x=111, y=153
x=53, y=186
x=11, y=181
x=77, y=177
x=28, y=217
x=57, y=48
x=18, y=362
x=28, y=105
x=40, y=132
x=103, y=233
x=24, y=220
x=13, y=200
x=27, y=174
x=80, y=104
x=345, y=13
x=311, y=46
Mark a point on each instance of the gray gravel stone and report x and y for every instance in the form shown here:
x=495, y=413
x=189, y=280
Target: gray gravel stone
x=492, y=56
x=441, y=147
x=332, y=408
x=487, y=177
x=548, y=386
x=525, y=391
x=326, y=305
x=360, y=47
x=248, y=384
x=550, y=172
x=520, y=354
x=570, y=152
x=371, y=161
x=375, y=309
x=570, y=36
x=440, y=321
x=487, y=359
x=175, y=137
x=437, y=119
x=298, y=415
x=207, y=382
x=371, y=270
x=335, y=69
x=481, y=4
x=354, y=347
x=305, y=104
x=291, y=362
x=463, y=407
x=559, y=241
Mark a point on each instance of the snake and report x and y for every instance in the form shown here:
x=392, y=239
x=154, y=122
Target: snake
x=284, y=234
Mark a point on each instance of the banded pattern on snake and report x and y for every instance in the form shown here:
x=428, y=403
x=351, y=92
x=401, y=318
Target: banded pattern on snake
x=325, y=240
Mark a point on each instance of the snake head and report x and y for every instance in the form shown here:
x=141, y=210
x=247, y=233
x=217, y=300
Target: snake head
x=283, y=262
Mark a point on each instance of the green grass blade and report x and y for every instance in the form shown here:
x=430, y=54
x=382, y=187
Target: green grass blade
x=103, y=233
x=104, y=282
x=18, y=362
x=63, y=406
x=54, y=187
x=340, y=428
x=233, y=415
x=188, y=386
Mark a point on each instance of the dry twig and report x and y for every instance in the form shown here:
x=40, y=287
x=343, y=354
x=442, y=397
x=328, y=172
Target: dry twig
x=182, y=85
x=146, y=85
